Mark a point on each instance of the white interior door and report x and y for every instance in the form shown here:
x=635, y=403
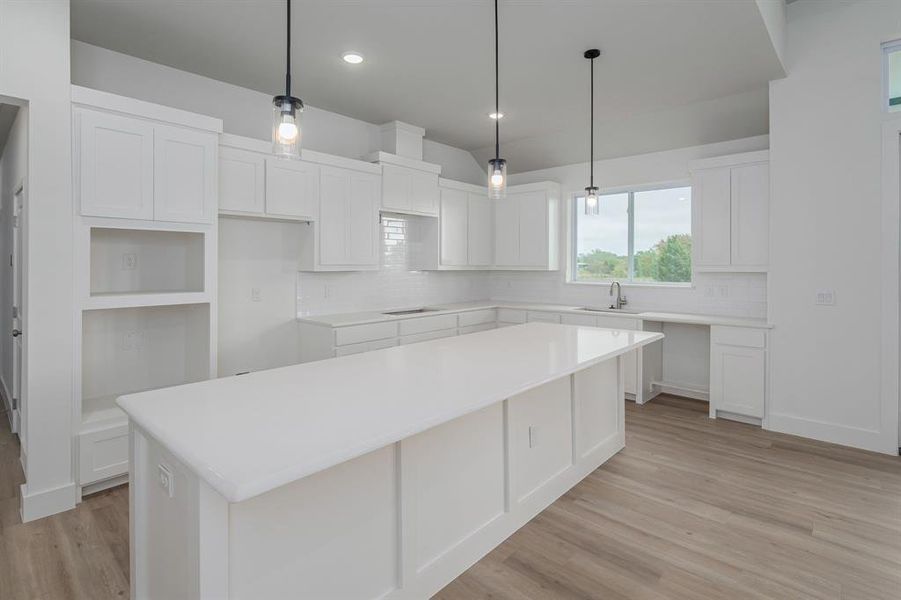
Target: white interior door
x=17, y=314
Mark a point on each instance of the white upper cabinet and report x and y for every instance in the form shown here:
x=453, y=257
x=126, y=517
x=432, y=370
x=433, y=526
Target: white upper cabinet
x=454, y=223
x=292, y=188
x=115, y=165
x=480, y=230
x=142, y=167
x=730, y=213
x=242, y=181
x=409, y=191
x=526, y=235
x=345, y=237
x=184, y=175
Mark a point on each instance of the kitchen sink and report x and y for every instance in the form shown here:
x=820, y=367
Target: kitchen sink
x=608, y=310
x=409, y=311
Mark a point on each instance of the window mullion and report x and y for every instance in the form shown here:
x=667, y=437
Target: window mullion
x=631, y=236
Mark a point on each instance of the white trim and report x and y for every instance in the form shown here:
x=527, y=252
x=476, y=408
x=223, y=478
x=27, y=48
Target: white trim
x=890, y=306
x=730, y=160
x=462, y=186
x=240, y=142
x=37, y=505
x=677, y=389
x=395, y=125
x=91, y=98
x=402, y=161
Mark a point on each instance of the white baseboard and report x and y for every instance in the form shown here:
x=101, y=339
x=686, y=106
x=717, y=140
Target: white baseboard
x=93, y=488
x=677, y=389
x=865, y=439
x=37, y=505
x=8, y=405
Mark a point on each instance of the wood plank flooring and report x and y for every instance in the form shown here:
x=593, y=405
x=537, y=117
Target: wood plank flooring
x=692, y=508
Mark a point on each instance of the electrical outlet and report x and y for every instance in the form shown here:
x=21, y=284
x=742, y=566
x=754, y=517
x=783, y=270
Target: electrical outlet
x=129, y=261
x=256, y=294
x=327, y=291
x=533, y=436
x=825, y=297
x=724, y=291
x=166, y=480
x=709, y=291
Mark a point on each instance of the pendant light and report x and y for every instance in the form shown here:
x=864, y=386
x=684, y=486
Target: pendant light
x=497, y=166
x=286, y=111
x=592, y=205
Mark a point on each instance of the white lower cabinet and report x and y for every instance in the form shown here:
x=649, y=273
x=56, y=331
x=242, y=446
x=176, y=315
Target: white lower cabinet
x=542, y=317
x=737, y=372
x=424, y=337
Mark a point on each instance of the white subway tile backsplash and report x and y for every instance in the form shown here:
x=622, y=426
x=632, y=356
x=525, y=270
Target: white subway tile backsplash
x=397, y=286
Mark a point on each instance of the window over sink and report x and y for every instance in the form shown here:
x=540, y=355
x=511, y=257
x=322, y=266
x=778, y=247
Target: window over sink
x=640, y=235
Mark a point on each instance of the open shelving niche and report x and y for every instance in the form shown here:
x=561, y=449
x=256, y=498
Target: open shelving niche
x=146, y=319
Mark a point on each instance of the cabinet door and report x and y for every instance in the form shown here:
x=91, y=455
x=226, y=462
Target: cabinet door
x=506, y=232
x=334, y=193
x=737, y=379
x=242, y=183
x=480, y=240
x=424, y=192
x=533, y=229
x=363, y=219
x=711, y=217
x=292, y=188
x=454, y=224
x=396, y=188
x=184, y=175
x=751, y=215
x=116, y=166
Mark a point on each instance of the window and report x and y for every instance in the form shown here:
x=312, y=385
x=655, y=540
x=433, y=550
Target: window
x=892, y=75
x=640, y=236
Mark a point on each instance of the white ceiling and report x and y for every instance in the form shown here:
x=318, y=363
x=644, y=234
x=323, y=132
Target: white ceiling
x=430, y=63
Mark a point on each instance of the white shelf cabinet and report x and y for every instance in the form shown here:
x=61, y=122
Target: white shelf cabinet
x=292, y=189
x=526, y=228
x=134, y=168
x=464, y=235
x=737, y=372
x=408, y=186
x=345, y=237
x=730, y=213
x=242, y=181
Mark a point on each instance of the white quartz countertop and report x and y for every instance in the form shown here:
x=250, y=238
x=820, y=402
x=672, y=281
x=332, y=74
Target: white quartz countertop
x=365, y=317
x=248, y=434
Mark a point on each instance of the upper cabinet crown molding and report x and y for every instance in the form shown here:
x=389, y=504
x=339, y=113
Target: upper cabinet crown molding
x=730, y=160
x=402, y=161
x=249, y=144
x=139, y=108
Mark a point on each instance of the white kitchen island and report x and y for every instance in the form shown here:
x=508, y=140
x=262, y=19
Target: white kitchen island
x=376, y=475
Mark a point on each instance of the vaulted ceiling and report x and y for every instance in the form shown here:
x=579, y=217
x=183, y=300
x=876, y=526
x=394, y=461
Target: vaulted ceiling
x=672, y=73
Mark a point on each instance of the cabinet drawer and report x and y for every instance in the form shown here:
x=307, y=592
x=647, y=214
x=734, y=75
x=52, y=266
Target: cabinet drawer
x=511, y=315
x=617, y=322
x=584, y=320
x=424, y=324
x=542, y=317
x=738, y=336
x=478, y=317
x=365, y=347
x=424, y=337
x=364, y=333
x=476, y=328
x=102, y=454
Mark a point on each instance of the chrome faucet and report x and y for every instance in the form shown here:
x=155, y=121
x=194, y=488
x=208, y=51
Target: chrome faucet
x=620, y=299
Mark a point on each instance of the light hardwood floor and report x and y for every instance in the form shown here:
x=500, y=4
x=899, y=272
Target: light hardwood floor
x=692, y=508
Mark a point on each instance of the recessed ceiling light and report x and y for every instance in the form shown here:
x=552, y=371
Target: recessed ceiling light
x=353, y=58
x=495, y=115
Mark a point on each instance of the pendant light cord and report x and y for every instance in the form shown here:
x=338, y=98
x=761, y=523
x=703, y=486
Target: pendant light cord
x=497, y=105
x=591, y=127
x=288, y=56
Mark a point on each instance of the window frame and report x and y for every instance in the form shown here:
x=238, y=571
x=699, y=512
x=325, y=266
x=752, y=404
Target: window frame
x=572, y=235
x=887, y=49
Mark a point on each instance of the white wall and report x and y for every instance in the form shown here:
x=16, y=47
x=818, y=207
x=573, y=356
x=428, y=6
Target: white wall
x=732, y=294
x=34, y=66
x=13, y=165
x=826, y=133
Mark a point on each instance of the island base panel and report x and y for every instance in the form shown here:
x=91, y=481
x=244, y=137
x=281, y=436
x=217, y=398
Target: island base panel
x=397, y=523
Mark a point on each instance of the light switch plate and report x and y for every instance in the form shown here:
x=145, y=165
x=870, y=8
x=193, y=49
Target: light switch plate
x=825, y=297
x=533, y=436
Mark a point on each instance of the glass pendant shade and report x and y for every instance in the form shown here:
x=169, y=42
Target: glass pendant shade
x=592, y=204
x=497, y=178
x=286, y=130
